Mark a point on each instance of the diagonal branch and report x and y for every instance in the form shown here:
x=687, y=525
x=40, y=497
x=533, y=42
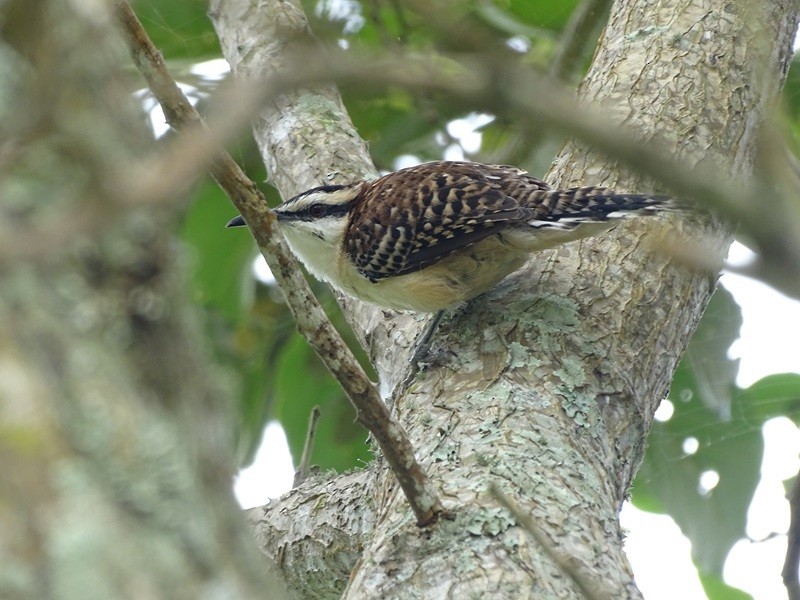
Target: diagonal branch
x=311, y=320
x=524, y=520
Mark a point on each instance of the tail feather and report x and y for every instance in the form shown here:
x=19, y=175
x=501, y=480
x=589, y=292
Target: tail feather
x=570, y=208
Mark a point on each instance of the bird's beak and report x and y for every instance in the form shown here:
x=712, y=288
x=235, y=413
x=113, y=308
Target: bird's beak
x=237, y=221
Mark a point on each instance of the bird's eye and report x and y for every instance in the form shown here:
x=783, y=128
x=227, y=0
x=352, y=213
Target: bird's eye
x=316, y=210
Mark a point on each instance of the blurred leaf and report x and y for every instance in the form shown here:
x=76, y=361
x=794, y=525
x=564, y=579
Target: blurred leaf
x=224, y=258
x=221, y=255
x=669, y=479
x=221, y=270
x=712, y=374
x=179, y=28
x=245, y=321
x=301, y=382
x=525, y=18
x=791, y=91
x=724, y=423
x=773, y=396
x=716, y=589
x=396, y=121
x=550, y=14
x=256, y=346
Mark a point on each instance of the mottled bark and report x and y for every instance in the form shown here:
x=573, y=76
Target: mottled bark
x=115, y=434
x=700, y=78
x=549, y=382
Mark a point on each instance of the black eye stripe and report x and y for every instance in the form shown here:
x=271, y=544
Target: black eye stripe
x=317, y=210
x=295, y=209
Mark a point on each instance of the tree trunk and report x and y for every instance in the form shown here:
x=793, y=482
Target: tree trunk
x=549, y=382
x=116, y=432
x=115, y=435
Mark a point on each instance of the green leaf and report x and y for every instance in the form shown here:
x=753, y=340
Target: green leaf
x=522, y=17
x=245, y=320
x=222, y=257
x=669, y=479
x=716, y=589
x=179, y=28
x=773, y=396
x=707, y=413
x=711, y=373
x=724, y=423
x=396, y=121
x=255, y=345
x=301, y=382
x=791, y=91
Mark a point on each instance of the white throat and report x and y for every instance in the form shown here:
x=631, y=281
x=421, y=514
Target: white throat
x=316, y=244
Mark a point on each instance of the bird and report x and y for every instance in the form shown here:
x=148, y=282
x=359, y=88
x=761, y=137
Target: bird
x=435, y=235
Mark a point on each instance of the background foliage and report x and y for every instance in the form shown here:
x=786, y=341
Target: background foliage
x=714, y=427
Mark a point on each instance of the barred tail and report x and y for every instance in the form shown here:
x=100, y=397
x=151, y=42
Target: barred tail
x=570, y=208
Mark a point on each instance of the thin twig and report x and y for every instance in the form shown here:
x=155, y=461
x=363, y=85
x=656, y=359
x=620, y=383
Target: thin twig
x=791, y=565
x=311, y=320
x=579, y=579
x=308, y=447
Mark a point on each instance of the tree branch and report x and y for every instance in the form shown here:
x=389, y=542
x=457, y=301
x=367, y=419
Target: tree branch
x=316, y=534
x=581, y=581
x=311, y=320
x=308, y=448
x=791, y=564
x=500, y=87
x=545, y=361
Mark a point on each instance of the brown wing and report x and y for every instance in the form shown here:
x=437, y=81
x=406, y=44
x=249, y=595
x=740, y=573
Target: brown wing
x=418, y=216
